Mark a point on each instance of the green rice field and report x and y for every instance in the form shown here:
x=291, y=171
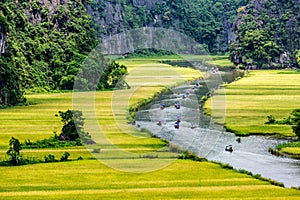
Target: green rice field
x=251, y=99
x=92, y=179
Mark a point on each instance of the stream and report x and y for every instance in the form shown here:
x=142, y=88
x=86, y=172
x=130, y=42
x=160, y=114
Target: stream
x=199, y=134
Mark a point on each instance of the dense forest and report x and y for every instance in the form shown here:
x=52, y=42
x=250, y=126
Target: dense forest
x=43, y=43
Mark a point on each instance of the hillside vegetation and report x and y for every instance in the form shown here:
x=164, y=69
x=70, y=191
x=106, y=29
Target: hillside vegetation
x=267, y=34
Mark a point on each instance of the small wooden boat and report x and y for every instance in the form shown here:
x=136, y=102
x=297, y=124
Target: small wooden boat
x=229, y=148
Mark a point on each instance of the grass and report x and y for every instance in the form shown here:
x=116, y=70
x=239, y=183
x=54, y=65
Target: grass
x=91, y=179
x=251, y=99
x=212, y=60
x=290, y=148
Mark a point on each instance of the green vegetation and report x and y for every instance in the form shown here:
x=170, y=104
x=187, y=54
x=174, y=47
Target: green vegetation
x=73, y=127
x=90, y=179
x=295, y=118
x=267, y=35
x=44, y=48
x=15, y=158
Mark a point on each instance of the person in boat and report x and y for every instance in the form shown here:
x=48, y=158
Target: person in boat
x=159, y=123
x=187, y=92
x=229, y=148
x=176, y=125
x=177, y=105
x=162, y=106
x=197, y=83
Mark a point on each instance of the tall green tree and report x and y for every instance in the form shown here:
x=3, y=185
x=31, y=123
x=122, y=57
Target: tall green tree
x=13, y=152
x=73, y=126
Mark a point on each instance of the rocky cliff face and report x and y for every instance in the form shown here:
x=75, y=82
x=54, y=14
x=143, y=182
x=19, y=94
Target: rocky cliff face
x=110, y=16
x=115, y=16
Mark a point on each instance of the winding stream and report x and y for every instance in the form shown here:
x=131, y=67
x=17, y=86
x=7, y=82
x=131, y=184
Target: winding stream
x=199, y=134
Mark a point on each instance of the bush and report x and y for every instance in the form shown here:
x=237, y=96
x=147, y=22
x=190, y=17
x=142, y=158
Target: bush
x=49, y=158
x=296, y=122
x=65, y=156
x=187, y=155
x=271, y=119
x=203, y=99
x=51, y=142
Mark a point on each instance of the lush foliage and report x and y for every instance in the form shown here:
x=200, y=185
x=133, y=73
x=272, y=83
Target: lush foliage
x=73, y=127
x=45, y=46
x=267, y=34
x=13, y=152
x=296, y=122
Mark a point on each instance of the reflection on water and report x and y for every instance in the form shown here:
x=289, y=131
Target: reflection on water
x=197, y=133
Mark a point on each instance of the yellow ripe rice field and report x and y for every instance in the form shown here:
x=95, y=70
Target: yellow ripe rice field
x=92, y=179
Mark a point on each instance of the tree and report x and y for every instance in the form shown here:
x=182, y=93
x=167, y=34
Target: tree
x=14, y=151
x=72, y=129
x=296, y=122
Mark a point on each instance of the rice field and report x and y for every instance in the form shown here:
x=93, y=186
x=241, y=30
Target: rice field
x=251, y=99
x=91, y=179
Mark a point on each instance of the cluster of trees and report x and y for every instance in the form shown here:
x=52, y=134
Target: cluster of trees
x=267, y=34
x=45, y=46
x=43, y=49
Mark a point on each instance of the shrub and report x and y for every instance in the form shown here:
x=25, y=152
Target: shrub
x=203, y=99
x=65, y=156
x=191, y=156
x=296, y=122
x=271, y=119
x=49, y=158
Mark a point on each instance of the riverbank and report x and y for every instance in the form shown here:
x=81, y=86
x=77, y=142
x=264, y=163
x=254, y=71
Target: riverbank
x=209, y=140
x=251, y=99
